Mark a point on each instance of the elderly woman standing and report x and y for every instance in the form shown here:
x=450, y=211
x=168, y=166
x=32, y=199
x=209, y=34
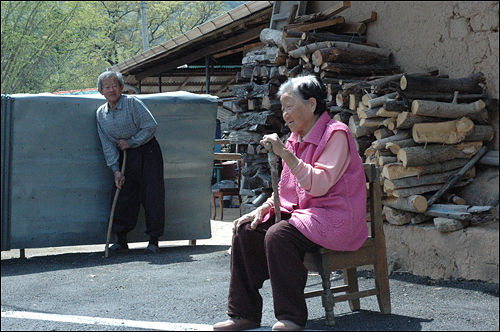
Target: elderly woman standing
x=323, y=204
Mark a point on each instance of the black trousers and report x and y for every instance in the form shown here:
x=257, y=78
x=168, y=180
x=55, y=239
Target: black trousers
x=274, y=252
x=143, y=185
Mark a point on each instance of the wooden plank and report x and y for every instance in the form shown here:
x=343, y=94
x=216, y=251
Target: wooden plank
x=370, y=17
x=227, y=156
x=317, y=25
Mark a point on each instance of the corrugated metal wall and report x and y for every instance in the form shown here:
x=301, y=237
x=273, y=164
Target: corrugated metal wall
x=57, y=189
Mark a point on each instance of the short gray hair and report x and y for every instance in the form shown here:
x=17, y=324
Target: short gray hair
x=108, y=74
x=305, y=87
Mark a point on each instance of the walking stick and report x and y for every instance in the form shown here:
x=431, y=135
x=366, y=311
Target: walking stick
x=110, y=224
x=273, y=163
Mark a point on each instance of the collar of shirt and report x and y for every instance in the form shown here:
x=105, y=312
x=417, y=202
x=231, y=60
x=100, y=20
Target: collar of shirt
x=118, y=105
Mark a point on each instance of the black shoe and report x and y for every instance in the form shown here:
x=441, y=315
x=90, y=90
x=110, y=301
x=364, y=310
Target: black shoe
x=118, y=247
x=151, y=249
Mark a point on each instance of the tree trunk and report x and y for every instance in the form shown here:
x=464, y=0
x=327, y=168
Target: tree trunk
x=414, y=203
x=468, y=84
x=435, y=153
x=449, y=132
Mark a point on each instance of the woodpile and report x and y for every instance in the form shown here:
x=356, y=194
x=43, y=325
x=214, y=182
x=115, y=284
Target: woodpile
x=420, y=128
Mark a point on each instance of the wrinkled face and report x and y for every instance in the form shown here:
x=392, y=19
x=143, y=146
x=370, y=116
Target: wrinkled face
x=112, y=90
x=298, y=115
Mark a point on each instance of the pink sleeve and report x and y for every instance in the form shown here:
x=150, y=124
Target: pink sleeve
x=317, y=179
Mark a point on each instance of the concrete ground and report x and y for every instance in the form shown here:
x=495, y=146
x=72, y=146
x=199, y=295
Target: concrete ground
x=185, y=288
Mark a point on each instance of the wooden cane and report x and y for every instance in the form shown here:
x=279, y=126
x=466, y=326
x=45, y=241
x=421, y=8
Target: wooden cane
x=110, y=224
x=273, y=164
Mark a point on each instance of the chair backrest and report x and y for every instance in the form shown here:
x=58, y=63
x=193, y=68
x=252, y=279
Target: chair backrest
x=374, y=202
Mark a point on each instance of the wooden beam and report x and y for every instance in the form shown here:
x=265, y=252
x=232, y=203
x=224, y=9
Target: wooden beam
x=236, y=50
x=317, y=25
x=231, y=42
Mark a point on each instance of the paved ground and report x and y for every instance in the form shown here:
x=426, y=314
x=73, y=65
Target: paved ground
x=185, y=288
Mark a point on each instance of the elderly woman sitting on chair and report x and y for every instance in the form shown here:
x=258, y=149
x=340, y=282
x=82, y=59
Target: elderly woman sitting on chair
x=322, y=202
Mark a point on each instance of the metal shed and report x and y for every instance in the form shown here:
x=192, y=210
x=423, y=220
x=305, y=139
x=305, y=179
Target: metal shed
x=57, y=189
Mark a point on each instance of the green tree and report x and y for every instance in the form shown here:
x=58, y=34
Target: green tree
x=57, y=45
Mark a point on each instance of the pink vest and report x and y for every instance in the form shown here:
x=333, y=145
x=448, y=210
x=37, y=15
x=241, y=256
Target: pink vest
x=336, y=220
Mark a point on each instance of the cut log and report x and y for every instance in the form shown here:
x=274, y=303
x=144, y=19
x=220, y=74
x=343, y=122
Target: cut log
x=444, y=97
x=480, y=133
x=346, y=55
x=384, y=160
x=394, y=147
x=359, y=131
x=403, y=192
x=406, y=120
x=420, y=218
x=427, y=179
x=379, y=101
x=395, y=106
x=475, y=111
x=383, y=133
x=342, y=99
x=367, y=97
x=366, y=113
x=397, y=170
x=387, y=114
x=435, y=153
x=354, y=99
x=449, y=225
x=470, y=84
x=373, y=122
x=453, y=199
x=359, y=70
x=449, y=132
x=381, y=143
x=451, y=181
x=397, y=217
x=312, y=37
x=414, y=203
x=311, y=48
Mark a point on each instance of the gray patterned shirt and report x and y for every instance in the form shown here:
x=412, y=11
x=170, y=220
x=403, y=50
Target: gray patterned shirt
x=130, y=120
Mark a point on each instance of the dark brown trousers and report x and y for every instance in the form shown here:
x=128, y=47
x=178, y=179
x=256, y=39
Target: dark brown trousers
x=143, y=185
x=274, y=252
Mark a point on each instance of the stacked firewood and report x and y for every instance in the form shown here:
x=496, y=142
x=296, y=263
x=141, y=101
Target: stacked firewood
x=427, y=130
x=420, y=128
x=321, y=43
x=258, y=112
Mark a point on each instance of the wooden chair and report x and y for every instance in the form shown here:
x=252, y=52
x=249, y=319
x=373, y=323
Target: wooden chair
x=372, y=252
x=221, y=192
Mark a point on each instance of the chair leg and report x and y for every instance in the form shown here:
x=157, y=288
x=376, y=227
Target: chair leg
x=327, y=299
x=351, y=280
x=382, y=284
x=239, y=200
x=221, y=204
x=213, y=204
